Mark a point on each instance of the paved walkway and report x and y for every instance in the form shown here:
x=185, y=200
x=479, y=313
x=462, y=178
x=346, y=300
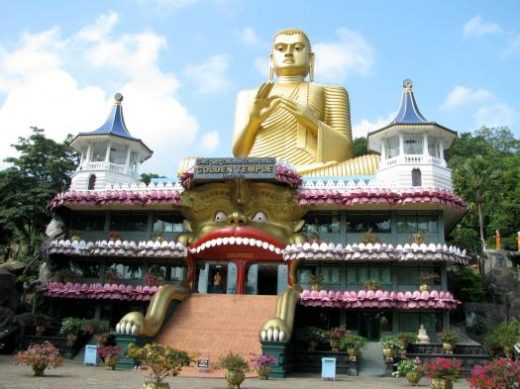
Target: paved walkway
x=74, y=375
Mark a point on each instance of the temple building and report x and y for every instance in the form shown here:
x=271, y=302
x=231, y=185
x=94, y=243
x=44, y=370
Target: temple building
x=357, y=243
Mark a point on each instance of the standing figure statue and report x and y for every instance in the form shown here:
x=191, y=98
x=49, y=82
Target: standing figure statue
x=498, y=245
x=302, y=122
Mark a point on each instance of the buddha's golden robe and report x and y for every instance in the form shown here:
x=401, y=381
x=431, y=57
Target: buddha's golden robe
x=281, y=135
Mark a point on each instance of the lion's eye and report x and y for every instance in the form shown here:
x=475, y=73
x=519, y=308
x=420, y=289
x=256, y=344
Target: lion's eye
x=221, y=216
x=260, y=217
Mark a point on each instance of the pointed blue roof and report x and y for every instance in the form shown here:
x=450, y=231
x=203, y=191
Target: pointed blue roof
x=409, y=111
x=115, y=123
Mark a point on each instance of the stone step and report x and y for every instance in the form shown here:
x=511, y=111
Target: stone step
x=214, y=324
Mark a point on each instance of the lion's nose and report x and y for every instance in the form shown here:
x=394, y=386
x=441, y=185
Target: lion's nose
x=237, y=218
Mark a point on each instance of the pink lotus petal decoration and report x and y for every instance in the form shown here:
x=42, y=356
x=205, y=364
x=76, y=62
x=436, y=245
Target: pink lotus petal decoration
x=379, y=299
x=111, y=197
x=381, y=252
x=116, y=249
x=98, y=291
x=386, y=196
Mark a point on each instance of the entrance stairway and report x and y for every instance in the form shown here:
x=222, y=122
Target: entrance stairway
x=372, y=363
x=214, y=324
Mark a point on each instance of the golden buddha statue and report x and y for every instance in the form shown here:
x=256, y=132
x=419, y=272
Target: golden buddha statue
x=305, y=123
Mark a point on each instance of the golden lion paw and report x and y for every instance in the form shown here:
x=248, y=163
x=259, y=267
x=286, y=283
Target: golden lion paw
x=131, y=324
x=275, y=330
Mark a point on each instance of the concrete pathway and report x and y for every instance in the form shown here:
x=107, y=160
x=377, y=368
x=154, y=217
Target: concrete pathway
x=372, y=363
x=74, y=375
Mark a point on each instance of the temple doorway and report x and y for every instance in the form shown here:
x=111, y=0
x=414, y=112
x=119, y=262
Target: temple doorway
x=266, y=279
x=372, y=323
x=216, y=277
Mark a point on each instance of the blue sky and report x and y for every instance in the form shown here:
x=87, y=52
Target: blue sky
x=181, y=63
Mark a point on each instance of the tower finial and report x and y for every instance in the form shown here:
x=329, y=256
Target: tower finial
x=118, y=97
x=407, y=84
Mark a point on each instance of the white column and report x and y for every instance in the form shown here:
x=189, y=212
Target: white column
x=88, y=157
x=127, y=163
x=401, y=146
x=107, y=155
x=383, y=150
x=425, y=144
x=441, y=152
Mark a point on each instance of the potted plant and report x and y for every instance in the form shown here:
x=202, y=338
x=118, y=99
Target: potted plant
x=162, y=360
x=71, y=327
x=448, y=339
x=109, y=353
x=41, y=322
x=262, y=363
x=443, y=372
x=352, y=343
x=112, y=276
x=315, y=281
x=99, y=328
x=403, y=340
x=411, y=369
x=503, y=373
x=372, y=285
x=153, y=279
x=335, y=335
x=235, y=366
x=389, y=342
x=369, y=237
x=40, y=357
x=313, y=336
x=427, y=279
x=418, y=238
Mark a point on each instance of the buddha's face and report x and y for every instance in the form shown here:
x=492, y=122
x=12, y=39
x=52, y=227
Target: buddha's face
x=291, y=55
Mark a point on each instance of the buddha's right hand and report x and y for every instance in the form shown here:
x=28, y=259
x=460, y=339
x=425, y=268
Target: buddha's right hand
x=263, y=105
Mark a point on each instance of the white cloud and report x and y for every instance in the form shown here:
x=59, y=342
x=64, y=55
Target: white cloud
x=248, y=37
x=103, y=26
x=513, y=46
x=462, y=95
x=351, y=53
x=210, y=140
x=364, y=126
x=477, y=27
x=499, y=114
x=210, y=76
x=41, y=90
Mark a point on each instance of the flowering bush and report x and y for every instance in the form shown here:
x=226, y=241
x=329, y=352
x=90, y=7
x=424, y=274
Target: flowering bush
x=407, y=366
x=108, y=351
x=232, y=362
x=162, y=360
x=448, y=369
x=502, y=373
x=306, y=334
x=262, y=360
x=448, y=337
x=336, y=333
x=153, y=280
x=72, y=325
x=40, y=356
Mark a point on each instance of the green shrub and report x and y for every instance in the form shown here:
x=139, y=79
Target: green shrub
x=502, y=339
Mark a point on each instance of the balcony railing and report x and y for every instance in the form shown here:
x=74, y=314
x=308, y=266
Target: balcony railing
x=412, y=159
x=103, y=165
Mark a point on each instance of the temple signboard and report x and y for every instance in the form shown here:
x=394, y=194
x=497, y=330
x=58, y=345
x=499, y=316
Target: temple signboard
x=230, y=168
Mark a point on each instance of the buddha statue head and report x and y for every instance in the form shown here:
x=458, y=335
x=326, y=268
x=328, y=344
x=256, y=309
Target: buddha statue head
x=291, y=54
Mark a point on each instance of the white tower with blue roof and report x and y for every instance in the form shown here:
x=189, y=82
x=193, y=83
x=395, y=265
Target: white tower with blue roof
x=412, y=148
x=109, y=155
